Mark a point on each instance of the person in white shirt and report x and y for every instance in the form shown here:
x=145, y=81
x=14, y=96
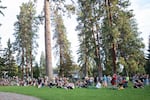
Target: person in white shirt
x=98, y=85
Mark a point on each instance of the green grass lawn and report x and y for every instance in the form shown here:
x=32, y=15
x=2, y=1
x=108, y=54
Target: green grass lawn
x=81, y=93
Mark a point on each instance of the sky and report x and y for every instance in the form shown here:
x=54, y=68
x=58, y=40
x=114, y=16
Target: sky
x=141, y=10
x=142, y=15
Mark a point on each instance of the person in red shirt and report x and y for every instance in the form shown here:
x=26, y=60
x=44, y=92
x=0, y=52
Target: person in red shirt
x=114, y=80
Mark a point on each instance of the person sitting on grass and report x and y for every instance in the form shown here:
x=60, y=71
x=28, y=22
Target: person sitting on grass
x=138, y=84
x=98, y=85
x=69, y=86
x=123, y=84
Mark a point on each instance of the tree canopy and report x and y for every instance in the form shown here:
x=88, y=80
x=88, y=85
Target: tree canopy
x=109, y=39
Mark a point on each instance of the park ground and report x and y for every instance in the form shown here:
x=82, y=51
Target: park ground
x=46, y=93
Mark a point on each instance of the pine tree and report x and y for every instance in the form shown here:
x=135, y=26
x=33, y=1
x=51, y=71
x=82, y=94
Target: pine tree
x=62, y=46
x=25, y=34
x=48, y=49
x=42, y=65
x=53, y=4
x=89, y=16
x=36, y=71
x=120, y=32
x=2, y=60
x=147, y=68
x=10, y=64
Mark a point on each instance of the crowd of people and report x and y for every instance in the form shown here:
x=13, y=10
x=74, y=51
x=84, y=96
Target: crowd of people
x=115, y=81
x=140, y=81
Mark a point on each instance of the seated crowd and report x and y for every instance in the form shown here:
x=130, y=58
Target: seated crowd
x=115, y=81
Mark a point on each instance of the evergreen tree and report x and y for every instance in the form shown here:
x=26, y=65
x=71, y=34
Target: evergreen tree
x=36, y=71
x=62, y=46
x=120, y=32
x=48, y=50
x=107, y=29
x=10, y=65
x=54, y=4
x=147, y=68
x=2, y=66
x=42, y=65
x=89, y=16
x=134, y=58
x=25, y=34
x=1, y=60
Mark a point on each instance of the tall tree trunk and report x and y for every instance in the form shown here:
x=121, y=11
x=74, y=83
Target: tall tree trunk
x=86, y=65
x=86, y=68
x=100, y=69
x=27, y=66
x=114, y=58
x=61, y=71
x=96, y=36
x=48, y=49
x=97, y=53
x=22, y=64
x=108, y=6
x=31, y=63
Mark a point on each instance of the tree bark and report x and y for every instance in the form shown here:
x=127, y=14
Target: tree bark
x=22, y=64
x=114, y=58
x=107, y=3
x=48, y=49
x=97, y=53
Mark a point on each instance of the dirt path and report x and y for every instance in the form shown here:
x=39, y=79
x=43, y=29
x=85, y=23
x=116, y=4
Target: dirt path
x=14, y=96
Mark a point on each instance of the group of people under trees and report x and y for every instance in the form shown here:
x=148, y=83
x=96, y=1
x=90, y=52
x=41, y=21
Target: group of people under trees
x=115, y=82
